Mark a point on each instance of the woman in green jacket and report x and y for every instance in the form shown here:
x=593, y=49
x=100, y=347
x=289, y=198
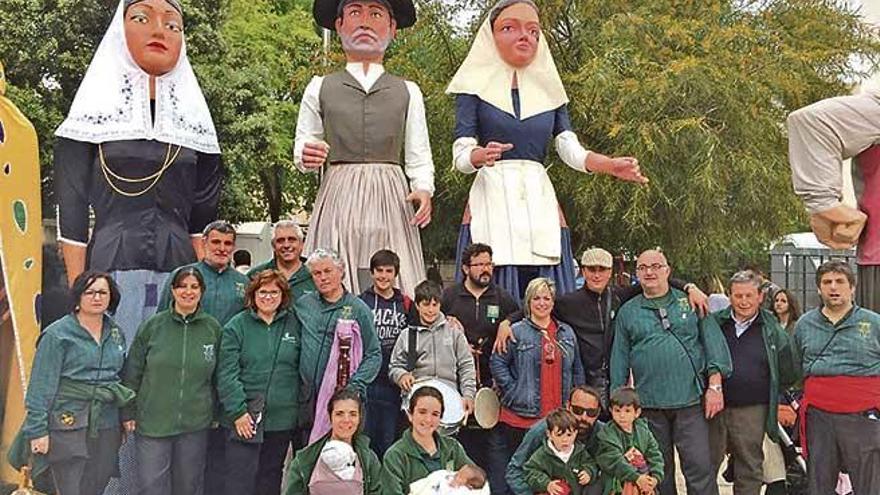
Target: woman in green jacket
x=421, y=450
x=171, y=367
x=74, y=394
x=310, y=475
x=258, y=386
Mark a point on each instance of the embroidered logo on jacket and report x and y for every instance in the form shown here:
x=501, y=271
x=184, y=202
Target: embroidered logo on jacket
x=208, y=349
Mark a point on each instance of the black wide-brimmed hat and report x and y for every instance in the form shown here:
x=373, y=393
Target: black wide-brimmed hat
x=326, y=12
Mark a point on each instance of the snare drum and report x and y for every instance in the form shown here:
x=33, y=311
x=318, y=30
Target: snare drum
x=453, y=409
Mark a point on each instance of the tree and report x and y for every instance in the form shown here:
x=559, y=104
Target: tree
x=697, y=90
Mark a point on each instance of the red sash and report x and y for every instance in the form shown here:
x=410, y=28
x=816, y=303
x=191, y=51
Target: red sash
x=838, y=395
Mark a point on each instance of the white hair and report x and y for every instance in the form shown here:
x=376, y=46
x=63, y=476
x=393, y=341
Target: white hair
x=322, y=254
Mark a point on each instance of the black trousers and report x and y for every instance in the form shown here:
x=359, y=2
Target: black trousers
x=87, y=474
x=256, y=468
x=843, y=442
x=215, y=461
x=685, y=428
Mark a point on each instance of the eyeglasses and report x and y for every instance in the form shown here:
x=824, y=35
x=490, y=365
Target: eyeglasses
x=664, y=318
x=481, y=265
x=99, y=293
x=591, y=412
x=654, y=267
x=268, y=294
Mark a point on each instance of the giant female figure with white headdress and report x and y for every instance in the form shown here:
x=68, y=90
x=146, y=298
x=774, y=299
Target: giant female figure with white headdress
x=138, y=149
x=510, y=104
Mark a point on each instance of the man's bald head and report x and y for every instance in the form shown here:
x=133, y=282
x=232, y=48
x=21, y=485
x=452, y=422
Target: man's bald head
x=653, y=271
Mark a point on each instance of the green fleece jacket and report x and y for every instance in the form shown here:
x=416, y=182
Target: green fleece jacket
x=406, y=461
x=171, y=367
x=300, y=471
x=545, y=466
x=246, y=352
x=614, y=443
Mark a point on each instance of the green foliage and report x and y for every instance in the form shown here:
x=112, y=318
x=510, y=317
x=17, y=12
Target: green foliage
x=697, y=90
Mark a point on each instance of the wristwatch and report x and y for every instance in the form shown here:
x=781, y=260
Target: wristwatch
x=715, y=387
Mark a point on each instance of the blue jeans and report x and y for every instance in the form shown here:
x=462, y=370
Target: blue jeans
x=383, y=416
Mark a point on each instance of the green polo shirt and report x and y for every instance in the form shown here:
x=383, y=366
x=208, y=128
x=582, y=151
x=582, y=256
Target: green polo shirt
x=849, y=348
x=670, y=366
x=300, y=282
x=224, y=291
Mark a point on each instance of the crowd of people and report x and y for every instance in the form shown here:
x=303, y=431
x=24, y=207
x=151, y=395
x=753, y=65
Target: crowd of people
x=345, y=371
x=278, y=382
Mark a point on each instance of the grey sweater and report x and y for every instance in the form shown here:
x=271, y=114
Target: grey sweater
x=443, y=353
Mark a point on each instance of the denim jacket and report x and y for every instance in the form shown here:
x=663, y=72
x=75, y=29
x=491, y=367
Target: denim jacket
x=517, y=372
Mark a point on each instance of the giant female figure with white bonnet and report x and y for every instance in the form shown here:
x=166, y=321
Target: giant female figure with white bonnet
x=138, y=148
x=510, y=103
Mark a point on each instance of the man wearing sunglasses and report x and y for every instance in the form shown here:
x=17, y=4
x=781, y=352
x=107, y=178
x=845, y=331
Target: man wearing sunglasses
x=584, y=404
x=671, y=354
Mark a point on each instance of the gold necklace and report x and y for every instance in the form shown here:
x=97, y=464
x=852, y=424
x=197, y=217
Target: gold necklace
x=155, y=177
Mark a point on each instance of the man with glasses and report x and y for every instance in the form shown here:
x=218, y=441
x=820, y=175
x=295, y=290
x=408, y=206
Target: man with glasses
x=671, y=354
x=584, y=404
x=287, y=243
x=479, y=305
x=590, y=312
x=222, y=298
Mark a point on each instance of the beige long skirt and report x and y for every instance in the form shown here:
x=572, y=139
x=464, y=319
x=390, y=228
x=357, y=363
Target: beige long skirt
x=360, y=209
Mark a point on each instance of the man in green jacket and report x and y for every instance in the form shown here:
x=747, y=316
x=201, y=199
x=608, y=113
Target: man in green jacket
x=762, y=358
x=287, y=243
x=318, y=314
x=224, y=286
x=672, y=354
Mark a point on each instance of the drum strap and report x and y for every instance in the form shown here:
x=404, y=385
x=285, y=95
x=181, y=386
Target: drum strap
x=412, y=355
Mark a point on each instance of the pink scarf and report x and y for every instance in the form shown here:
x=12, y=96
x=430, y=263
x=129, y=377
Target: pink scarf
x=344, y=328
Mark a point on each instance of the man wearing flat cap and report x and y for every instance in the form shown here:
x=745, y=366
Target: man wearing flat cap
x=369, y=127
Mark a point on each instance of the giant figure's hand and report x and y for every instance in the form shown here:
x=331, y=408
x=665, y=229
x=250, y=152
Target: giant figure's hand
x=625, y=168
x=839, y=227
x=315, y=154
x=423, y=215
x=486, y=157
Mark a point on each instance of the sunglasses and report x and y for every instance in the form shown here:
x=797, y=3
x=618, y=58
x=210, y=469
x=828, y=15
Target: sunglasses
x=591, y=412
x=664, y=319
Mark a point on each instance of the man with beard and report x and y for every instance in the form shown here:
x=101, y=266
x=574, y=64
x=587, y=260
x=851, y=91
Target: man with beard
x=584, y=404
x=370, y=127
x=479, y=305
x=287, y=243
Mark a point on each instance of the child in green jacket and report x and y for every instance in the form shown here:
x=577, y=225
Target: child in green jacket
x=629, y=455
x=561, y=466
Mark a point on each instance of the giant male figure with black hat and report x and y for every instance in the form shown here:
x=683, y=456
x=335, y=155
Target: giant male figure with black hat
x=369, y=127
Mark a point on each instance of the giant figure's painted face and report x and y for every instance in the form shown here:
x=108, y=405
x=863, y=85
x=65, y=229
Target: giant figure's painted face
x=517, y=31
x=154, y=35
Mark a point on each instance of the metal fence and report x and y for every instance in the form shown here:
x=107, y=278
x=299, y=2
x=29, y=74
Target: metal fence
x=794, y=269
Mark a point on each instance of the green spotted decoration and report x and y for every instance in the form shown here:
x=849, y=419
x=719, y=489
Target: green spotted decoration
x=19, y=215
x=28, y=263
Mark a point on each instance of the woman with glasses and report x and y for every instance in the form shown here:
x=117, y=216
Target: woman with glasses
x=75, y=393
x=171, y=367
x=258, y=386
x=540, y=367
